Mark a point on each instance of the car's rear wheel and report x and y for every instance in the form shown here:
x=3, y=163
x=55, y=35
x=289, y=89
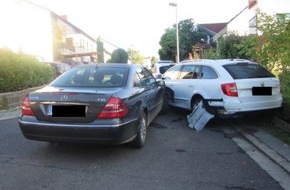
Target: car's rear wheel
x=195, y=102
x=140, y=139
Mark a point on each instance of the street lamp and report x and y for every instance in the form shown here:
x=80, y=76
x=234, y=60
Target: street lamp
x=177, y=36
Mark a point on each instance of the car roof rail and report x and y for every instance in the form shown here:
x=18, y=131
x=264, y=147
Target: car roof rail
x=198, y=60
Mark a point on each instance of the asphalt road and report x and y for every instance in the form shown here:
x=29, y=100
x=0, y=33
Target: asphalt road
x=175, y=157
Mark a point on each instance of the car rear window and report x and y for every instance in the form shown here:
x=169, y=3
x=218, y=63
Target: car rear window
x=247, y=70
x=92, y=77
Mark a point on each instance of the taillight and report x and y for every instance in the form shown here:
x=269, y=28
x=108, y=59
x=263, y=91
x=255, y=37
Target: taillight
x=230, y=89
x=114, y=108
x=26, y=108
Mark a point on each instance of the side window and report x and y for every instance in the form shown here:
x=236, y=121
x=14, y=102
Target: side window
x=187, y=72
x=136, y=80
x=172, y=73
x=208, y=73
x=149, y=77
x=146, y=77
x=196, y=74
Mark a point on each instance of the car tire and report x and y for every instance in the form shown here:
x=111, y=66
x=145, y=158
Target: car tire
x=140, y=139
x=196, y=101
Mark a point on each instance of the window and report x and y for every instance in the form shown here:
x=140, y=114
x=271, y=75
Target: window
x=82, y=43
x=253, y=25
x=146, y=77
x=208, y=73
x=69, y=42
x=190, y=72
x=245, y=70
x=187, y=72
x=92, y=77
x=136, y=80
x=172, y=73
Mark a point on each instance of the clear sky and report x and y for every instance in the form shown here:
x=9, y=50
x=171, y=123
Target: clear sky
x=139, y=24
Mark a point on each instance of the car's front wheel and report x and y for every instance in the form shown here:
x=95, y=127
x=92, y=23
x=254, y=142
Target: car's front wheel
x=140, y=139
x=164, y=108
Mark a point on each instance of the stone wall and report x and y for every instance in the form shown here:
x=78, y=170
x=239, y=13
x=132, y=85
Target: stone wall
x=12, y=100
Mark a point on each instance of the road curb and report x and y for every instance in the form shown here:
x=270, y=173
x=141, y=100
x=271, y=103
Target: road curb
x=268, y=145
x=10, y=114
x=281, y=124
x=8, y=118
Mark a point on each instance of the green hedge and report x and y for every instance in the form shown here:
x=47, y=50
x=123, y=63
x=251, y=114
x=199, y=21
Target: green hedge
x=19, y=71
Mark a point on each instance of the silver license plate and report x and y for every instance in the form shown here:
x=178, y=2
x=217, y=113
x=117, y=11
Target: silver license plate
x=49, y=110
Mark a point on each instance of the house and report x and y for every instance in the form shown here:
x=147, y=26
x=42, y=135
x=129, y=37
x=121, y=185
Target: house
x=244, y=23
x=212, y=29
x=35, y=30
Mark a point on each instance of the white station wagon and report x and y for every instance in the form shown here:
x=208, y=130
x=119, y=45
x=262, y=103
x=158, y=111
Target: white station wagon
x=226, y=87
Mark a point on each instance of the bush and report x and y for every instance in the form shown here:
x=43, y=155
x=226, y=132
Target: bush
x=20, y=71
x=119, y=56
x=4, y=103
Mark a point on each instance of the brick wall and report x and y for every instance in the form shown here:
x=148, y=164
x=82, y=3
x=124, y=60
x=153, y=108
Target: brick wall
x=12, y=100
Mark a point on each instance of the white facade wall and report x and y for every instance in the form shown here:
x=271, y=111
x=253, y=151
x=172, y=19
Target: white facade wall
x=82, y=44
x=26, y=28
x=241, y=24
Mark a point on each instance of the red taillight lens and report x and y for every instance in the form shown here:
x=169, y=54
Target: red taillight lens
x=26, y=108
x=230, y=89
x=114, y=108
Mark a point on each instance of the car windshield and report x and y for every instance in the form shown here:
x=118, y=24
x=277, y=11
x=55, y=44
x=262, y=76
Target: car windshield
x=244, y=71
x=92, y=77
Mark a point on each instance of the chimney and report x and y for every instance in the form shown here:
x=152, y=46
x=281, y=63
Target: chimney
x=64, y=17
x=251, y=3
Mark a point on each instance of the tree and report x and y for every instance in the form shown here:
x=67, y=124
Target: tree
x=119, y=56
x=273, y=48
x=189, y=35
x=168, y=45
x=233, y=46
x=100, y=50
x=58, y=33
x=229, y=46
x=135, y=56
x=153, y=60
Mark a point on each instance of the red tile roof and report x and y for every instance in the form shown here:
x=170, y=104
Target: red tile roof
x=215, y=27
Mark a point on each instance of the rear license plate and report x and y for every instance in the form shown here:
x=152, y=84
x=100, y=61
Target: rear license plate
x=49, y=110
x=67, y=111
x=262, y=91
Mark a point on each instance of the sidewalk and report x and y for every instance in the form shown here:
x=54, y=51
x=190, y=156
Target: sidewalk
x=9, y=114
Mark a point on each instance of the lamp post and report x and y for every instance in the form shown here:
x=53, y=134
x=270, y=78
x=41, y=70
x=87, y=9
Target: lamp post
x=177, y=36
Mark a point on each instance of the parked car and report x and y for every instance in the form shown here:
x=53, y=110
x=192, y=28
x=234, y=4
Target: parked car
x=226, y=87
x=100, y=103
x=160, y=67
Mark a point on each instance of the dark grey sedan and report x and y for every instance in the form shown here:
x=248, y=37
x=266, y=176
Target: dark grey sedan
x=100, y=103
